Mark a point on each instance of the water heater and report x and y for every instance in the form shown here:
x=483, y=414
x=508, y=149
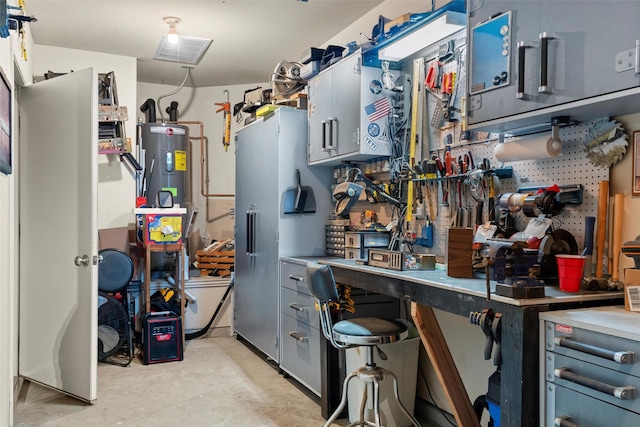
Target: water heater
x=165, y=161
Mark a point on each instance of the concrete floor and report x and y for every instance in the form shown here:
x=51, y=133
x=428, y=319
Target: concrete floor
x=221, y=382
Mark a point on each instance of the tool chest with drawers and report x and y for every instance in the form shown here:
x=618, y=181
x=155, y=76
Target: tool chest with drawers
x=300, y=329
x=590, y=367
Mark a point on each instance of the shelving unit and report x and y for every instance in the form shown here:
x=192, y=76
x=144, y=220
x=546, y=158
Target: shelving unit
x=170, y=247
x=112, y=138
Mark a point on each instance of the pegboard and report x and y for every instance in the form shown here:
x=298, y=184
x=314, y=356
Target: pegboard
x=571, y=168
x=435, y=134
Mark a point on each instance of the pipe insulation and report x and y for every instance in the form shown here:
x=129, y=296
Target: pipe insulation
x=528, y=148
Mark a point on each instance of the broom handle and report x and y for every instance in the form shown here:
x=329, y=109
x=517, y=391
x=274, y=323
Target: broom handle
x=617, y=234
x=603, y=199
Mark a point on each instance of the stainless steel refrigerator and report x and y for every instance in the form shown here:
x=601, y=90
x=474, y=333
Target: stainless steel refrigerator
x=269, y=152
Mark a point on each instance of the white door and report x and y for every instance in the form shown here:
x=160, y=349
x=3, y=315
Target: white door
x=58, y=229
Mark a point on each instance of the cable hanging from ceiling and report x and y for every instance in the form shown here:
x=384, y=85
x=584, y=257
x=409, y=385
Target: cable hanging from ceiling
x=186, y=76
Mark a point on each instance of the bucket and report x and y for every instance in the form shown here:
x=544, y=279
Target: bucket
x=402, y=360
x=570, y=271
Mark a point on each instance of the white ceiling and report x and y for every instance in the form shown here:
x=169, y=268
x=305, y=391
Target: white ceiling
x=249, y=36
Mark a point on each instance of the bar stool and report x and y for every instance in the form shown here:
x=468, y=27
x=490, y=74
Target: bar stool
x=364, y=331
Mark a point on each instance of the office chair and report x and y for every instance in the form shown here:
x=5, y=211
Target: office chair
x=364, y=331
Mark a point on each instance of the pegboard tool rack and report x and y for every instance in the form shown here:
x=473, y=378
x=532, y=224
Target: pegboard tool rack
x=571, y=168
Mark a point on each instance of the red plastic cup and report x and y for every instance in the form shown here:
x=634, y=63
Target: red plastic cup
x=570, y=271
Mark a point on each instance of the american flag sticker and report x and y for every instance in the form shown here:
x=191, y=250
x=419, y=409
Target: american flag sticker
x=378, y=109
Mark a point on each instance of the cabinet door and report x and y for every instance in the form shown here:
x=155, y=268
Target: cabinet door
x=560, y=52
x=584, y=45
x=256, y=261
x=346, y=104
x=487, y=60
x=320, y=107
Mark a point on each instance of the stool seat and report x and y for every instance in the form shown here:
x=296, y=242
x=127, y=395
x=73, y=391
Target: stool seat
x=368, y=331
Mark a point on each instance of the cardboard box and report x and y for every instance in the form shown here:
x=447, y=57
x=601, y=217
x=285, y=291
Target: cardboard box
x=400, y=20
x=632, y=289
x=161, y=226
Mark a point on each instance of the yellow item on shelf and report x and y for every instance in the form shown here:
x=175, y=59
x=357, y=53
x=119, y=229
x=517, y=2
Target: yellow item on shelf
x=266, y=109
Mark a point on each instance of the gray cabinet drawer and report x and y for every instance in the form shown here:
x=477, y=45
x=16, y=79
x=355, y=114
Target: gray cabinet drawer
x=299, y=306
x=590, y=368
x=584, y=411
x=294, y=277
x=614, y=387
x=300, y=345
x=605, y=350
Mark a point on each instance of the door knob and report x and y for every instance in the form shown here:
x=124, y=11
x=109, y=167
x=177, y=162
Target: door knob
x=81, y=260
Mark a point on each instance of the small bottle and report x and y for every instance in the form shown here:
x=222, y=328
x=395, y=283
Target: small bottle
x=385, y=164
x=367, y=168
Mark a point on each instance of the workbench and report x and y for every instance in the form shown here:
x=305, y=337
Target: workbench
x=520, y=327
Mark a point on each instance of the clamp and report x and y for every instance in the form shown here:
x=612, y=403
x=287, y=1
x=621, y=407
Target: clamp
x=226, y=108
x=491, y=324
x=496, y=331
x=486, y=320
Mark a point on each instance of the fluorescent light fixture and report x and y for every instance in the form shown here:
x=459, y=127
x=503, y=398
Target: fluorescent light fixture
x=188, y=50
x=427, y=34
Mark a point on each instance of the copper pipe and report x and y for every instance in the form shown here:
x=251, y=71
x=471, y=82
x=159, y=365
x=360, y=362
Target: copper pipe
x=203, y=162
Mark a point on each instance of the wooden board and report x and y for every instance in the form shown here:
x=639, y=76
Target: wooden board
x=210, y=260
x=459, y=252
x=444, y=366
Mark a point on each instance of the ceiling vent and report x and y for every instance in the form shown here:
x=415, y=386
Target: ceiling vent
x=188, y=50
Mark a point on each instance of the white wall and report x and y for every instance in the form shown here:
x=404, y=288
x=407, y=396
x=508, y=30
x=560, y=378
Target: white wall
x=116, y=184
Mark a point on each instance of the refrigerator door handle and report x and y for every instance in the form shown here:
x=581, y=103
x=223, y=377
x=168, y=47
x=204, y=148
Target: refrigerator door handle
x=251, y=230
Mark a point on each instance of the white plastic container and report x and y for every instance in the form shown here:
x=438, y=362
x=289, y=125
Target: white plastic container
x=402, y=360
x=207, y=292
